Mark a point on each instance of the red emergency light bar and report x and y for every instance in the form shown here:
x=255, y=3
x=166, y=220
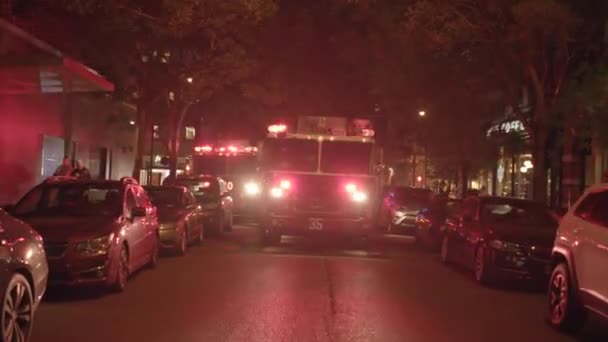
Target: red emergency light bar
x=278, y=128
x=225, y=150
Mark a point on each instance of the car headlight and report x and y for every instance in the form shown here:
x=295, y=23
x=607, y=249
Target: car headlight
x=168, y=226
x=399, y=213
x=504, y=246
x=97, y=246
x=252, y=189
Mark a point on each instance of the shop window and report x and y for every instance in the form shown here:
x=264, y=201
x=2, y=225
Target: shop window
x=156, y=131
x=190, y=133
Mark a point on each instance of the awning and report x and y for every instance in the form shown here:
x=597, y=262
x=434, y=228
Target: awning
x=31, y=66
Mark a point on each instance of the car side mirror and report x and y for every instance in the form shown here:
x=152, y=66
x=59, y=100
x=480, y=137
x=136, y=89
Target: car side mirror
x=138, y=212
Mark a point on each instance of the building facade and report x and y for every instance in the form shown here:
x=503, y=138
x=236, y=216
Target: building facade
x=52, y=106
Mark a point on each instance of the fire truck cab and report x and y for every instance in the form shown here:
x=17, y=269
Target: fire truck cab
x=318, y=181
x=235, y=161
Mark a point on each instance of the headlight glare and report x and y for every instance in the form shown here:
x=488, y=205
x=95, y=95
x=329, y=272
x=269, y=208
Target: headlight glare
x=252, y=189
x=97, y=246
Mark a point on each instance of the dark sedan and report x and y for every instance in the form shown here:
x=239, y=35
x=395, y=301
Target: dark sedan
x=180, y=217
x=500, y=239
x=430, y=222
x=95, y=232
x=400, y=206
x=23, y=277
x=214, y=198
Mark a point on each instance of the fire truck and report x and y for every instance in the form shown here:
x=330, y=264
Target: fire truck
x=319, y=179
x=235, y=161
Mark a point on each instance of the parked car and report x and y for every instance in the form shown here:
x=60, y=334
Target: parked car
x=500, y=239
x=180, y=217
x=579, y=281
x=430, y=222
x=400, y=207
x=95, y=232
x=23, y=277
x=214, y=198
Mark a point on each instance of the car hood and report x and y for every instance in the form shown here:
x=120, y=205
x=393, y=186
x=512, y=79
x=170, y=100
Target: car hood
x=169, y=214
x=524, y=235
x=62, y=229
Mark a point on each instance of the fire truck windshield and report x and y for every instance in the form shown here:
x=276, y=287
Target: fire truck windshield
x=290, y=155
x=346, y=157
x=225, y=164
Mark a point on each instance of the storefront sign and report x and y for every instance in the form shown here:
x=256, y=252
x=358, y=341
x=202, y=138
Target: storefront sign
x=506, y=127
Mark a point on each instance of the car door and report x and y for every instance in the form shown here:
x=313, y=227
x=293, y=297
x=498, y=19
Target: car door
x=592, y=251
x=149, y=222
x=195, y=213
x=135, y=230
x=465, y=229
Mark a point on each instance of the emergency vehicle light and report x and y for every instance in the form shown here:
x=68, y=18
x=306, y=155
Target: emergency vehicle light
x=203, y=149
x=278, y=128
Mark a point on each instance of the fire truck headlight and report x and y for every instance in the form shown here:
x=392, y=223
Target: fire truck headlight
x=276, y=192
x=359, y=196
x=252, y=189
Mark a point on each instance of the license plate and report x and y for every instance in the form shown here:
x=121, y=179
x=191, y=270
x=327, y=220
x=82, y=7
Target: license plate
x=315, y=224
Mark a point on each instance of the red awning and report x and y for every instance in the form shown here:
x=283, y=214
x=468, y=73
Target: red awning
x=30, y=66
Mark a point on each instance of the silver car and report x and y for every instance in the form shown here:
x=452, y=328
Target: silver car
x=23, y=277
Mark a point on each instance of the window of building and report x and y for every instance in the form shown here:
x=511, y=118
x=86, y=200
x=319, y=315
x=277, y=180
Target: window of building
x=190, y=133
x=156, y=131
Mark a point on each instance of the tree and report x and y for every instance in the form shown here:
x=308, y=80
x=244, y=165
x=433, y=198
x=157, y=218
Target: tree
x=174, y=54
x=519, y=42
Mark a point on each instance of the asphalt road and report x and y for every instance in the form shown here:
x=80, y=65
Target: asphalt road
x=234, y=290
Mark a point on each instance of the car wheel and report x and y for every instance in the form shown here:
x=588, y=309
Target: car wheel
x=565, y=313
x=17, y=312
x=481, y=267
x=122, y=271
x=182, y=244
x=446, y=258
x=154, y=255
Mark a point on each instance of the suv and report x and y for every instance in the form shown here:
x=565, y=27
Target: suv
x=95, y=232
x=579, y=282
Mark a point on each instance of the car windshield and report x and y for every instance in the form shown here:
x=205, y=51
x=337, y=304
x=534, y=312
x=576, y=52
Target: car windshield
x=204, y=189
x=290, y=155
x=165, y=197
x=520, y=213
x=72, y=200
x=212, y=165
x=345, y=157
x=412, y=197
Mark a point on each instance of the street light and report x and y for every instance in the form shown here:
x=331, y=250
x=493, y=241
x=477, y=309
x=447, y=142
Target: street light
x=190, y=79
x=421, y=113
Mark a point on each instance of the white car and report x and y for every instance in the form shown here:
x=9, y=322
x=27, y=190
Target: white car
x=579, y=281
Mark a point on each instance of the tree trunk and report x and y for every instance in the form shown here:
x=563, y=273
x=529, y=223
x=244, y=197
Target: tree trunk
x=539, y=179
x=176, y=122
x=142, y=126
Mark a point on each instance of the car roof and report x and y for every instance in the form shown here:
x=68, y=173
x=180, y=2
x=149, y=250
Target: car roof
x=165, y=187
x=83, y=182
x=496, y=199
